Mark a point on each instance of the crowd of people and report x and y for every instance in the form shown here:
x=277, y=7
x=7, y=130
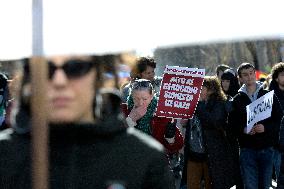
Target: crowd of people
x=218, y=152
x=113, y=139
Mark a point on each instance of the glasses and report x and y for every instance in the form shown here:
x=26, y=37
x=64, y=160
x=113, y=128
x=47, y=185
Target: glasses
x=72, y=68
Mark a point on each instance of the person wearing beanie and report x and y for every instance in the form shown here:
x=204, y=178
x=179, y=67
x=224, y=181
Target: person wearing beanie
x=229, y=83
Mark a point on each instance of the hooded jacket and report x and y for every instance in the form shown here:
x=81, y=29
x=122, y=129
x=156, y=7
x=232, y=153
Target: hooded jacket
x=102, y=155
x=238, y=121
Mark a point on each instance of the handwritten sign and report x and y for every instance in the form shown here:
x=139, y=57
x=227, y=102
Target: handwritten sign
x=259, y=110
x=179, y=92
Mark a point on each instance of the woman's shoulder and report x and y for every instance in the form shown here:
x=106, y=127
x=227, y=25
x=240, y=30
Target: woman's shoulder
x=161, y=120
x=14, y=148
x=142, y=142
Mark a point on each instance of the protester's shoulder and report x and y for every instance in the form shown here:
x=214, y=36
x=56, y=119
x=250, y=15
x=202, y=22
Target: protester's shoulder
x=160, y=119
x=158, y=80
x=229, y=104
x=223, y=103
x=126, y=87
x=11, y=143
x=6, y=135
x=144, y=141
x=263, y=91
x=9, y=136
x=238, y=96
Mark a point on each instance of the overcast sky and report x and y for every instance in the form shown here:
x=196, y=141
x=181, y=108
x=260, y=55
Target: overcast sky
x=90, y=26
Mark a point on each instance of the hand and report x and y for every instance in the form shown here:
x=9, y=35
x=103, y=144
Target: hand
x=258, y=128
x=170, y=130
x=137, y=113
x=252, y=131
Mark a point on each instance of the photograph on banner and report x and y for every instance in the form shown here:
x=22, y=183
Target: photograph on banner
x=179, y=92
x=259, y=110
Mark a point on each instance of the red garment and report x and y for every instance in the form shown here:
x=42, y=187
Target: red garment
x=158, y=128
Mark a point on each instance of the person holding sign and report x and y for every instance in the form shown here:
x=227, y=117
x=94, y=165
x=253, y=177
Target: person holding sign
x=207, y=150
x=140, y=114
x=89, y=144
x=256, y=144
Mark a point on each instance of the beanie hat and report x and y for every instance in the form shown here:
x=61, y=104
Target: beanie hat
x=228, y=74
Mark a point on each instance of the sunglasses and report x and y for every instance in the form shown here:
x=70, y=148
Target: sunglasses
x=72, y=68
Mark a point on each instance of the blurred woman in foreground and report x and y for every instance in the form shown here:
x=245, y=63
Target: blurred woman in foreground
x=88, y=142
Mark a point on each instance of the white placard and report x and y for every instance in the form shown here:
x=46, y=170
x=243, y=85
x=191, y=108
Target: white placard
x=259, y=109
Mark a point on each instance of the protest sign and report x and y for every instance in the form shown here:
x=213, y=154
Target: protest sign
x=179, y=92
x=259, y=110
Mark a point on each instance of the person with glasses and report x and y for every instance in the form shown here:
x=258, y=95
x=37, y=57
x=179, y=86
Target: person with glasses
x=88, y=140
x=144, y=69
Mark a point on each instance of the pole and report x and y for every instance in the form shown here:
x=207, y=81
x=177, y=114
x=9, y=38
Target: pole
x=38, y=102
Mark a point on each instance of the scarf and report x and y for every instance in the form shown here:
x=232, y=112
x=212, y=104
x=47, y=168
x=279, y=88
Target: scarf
x=143, y=124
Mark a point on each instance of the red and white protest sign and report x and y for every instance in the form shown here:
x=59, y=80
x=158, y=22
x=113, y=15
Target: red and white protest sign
x=179, y=92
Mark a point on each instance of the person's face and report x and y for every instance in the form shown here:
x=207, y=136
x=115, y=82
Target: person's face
x=280, y=79
x=71, y=99
x=149, y=73
x=142, y=98
x=225, y=84
x=247, y=76
x=204, y=94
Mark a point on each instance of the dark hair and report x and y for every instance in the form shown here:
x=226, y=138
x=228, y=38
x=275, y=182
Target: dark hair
x=142, y=84
x=276, y=69
x=143, y=62
x=221, y=67
x=3, y=80
x=244, y=66
x=212, y=83
x=234, y=86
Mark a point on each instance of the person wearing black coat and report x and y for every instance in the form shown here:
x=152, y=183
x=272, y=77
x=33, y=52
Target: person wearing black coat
x=257, y=146
x=216, y=162
x=89, y=143
x=277, y=84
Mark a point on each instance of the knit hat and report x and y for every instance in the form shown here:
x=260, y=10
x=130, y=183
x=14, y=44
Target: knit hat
x=228, y=74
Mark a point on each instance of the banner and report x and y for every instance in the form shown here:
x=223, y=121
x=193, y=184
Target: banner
x=179, y=92
x=259, y=110
x=260, y=75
